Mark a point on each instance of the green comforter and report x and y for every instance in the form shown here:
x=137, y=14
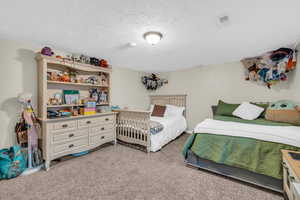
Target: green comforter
x=254, y=155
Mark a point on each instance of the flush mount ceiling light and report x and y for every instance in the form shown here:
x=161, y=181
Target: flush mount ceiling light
x=153, y=37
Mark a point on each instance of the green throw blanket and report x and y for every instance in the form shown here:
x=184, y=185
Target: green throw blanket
x=254, y=155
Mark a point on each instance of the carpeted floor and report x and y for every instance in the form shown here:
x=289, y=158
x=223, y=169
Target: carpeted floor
x=119, y=172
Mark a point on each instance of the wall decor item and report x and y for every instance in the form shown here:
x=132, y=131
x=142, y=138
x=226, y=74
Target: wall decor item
x=152, y=82
x=271, y=67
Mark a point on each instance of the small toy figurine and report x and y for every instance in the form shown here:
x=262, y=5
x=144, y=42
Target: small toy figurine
x=47, y=51
x=65, y=77
x=94, y=61
x=94, y=94
x=75, y=57
x=84, y=59
x=103, y=80
x=103, y=63
x=92, y=80
x=53, y=76
x=73, y=75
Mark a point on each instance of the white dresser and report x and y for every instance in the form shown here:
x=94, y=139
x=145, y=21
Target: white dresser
x=76, y=134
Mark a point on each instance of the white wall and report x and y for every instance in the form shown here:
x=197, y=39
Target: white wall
x=18, y=74
x=206, y=85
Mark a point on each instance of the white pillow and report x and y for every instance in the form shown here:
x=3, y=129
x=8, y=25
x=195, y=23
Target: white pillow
x=173, y=110
x=248, y=111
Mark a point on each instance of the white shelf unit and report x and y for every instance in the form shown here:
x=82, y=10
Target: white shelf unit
x=47, y=88
x=68, y=135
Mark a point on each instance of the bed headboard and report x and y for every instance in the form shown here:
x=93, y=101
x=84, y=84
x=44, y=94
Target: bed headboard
x=176, y=100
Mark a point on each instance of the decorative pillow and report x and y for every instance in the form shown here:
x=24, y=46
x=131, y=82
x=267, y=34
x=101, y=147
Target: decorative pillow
x=226, y=109
x=248, y=111
x=283, y=111
x=174, y=110
x=158, y=111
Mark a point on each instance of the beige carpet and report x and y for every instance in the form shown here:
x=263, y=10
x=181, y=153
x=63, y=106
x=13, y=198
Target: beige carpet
x=119, y=172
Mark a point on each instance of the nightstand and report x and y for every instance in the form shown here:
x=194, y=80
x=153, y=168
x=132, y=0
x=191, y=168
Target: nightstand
x=291, y=175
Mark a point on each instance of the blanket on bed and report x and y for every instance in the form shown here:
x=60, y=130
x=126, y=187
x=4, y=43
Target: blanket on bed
x=256, y=155
x=155, y=127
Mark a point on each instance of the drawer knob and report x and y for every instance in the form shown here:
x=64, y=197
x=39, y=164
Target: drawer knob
x=102, y=129
x=71, y=135
x=88, y=122
x=102, y=137
x=106, y=119
x=71, y=145
x=65, y=125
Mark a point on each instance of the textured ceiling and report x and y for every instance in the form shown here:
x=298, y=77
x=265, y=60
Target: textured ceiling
x=192, y=36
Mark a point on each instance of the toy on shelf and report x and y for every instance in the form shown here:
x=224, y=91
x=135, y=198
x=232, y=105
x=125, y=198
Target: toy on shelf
x=56, y=99
x=52, y=76
x=92, y=80
x=47, y=51
x=94, y=61
x=103, y=80
x=98, y=96
x=85, y=59
x=73, y=76
x=65, y=77
x=103, y=63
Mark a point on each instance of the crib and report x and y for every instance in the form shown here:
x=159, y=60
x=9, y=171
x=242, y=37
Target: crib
x=133, y=126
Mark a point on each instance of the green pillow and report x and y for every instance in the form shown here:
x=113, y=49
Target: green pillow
x=226, y=109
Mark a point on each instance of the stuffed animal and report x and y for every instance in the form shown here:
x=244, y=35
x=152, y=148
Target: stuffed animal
x=65, y=77
x=47, y=51
x=284, y=111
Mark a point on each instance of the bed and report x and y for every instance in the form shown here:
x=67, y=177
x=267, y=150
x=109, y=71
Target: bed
x=140, y=130
x=245, y=150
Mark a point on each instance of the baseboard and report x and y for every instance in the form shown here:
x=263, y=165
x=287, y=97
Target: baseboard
x=189, y=131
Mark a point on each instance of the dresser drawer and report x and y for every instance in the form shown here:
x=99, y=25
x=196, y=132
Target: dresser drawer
x=107, y=119
x=69, y=146
x=68, y=136
x=67, y=125
x=102, y=128
x=102, y=138
x=82, y=123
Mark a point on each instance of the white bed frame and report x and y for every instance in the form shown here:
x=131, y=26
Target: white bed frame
x=133, y=126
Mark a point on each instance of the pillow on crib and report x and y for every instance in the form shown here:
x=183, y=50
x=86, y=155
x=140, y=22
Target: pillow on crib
x=174, y=110
x=158, y=111
x=248, y=111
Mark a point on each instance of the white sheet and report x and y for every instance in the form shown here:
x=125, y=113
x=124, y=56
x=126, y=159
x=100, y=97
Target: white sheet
x=173, y=127
x=289, y=135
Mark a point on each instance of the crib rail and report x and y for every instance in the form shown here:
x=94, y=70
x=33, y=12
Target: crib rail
x=133, y=127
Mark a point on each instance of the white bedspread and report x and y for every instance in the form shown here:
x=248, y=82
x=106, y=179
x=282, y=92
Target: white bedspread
x=173, y=127
x=289, y=135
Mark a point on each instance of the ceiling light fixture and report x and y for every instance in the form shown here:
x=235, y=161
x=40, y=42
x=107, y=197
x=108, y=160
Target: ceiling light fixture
x=153, y=37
